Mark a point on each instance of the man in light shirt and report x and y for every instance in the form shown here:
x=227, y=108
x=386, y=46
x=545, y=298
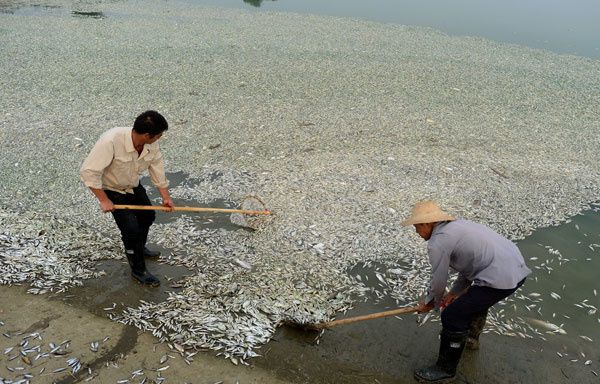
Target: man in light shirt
x=112, y=172
x=490, y=268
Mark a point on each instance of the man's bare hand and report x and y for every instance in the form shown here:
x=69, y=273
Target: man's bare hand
x=448, y=299
x=425, y=307
x=107, y=206
x=169, y=204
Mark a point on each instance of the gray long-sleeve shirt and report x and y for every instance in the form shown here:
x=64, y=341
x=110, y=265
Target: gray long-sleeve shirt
x=479, y=255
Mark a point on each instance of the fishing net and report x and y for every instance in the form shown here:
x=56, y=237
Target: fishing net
x=255, y=214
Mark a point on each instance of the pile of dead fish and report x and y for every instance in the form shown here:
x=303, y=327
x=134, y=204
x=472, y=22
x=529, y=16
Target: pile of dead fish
x=47, y=253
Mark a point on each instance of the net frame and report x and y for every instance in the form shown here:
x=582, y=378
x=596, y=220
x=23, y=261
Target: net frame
x=252, y=221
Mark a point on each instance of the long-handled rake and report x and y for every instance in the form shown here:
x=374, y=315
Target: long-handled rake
x=331, y=324
x=252, y=212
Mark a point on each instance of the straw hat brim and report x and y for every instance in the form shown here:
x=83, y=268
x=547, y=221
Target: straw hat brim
x=431, y=217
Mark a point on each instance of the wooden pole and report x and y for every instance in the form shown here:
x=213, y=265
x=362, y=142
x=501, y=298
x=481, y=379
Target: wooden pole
x=190, y=209
x=349, y=320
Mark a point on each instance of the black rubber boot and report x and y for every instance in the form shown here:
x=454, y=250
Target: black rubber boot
x=475, y=329
x=452, y=345
x=138, y=269
x=148, y=254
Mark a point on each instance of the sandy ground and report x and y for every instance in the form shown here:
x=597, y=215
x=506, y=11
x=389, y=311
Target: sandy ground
x=125, y=350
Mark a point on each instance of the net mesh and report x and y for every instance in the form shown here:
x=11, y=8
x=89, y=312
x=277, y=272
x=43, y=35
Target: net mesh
x=248, y=220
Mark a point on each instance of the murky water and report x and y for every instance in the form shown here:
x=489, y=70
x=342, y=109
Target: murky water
x=560, y=26
x=566, y=260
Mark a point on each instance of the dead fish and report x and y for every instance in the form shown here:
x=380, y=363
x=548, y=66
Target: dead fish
x=243, y=264
x=549, y=326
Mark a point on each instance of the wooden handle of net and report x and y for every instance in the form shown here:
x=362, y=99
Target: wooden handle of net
x=190, y=209
x=377, y=315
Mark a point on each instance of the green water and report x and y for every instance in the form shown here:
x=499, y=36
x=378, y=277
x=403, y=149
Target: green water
x=567, y=264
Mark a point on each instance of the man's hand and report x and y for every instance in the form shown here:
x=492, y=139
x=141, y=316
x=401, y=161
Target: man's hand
x=169, y=204
x=166, y=198
x=448, y=299
x=107, y=206
x=425, y=307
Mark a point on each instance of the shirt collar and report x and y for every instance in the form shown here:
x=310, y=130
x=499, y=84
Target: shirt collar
x=129, y=142
x=439, y=227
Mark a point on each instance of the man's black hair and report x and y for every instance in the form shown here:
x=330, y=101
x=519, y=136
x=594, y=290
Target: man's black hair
x=150, y=122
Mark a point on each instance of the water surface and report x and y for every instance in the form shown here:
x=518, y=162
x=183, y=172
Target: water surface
x=570, y=27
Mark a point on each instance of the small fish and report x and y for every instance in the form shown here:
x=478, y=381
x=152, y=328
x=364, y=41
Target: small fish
x=548, y=326
x=243, y=264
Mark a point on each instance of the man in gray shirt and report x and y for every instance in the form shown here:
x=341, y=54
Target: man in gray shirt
x=490, y=268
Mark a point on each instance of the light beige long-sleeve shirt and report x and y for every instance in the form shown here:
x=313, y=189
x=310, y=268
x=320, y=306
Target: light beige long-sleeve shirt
x=114, y=164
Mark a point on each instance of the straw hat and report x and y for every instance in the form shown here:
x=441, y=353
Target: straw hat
x=426, y=212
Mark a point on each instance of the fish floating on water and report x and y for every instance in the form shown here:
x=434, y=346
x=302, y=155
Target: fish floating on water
x=549, y=326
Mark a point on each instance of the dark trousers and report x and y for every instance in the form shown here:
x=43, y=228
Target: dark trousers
x=133, y=224
x=457, y=316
